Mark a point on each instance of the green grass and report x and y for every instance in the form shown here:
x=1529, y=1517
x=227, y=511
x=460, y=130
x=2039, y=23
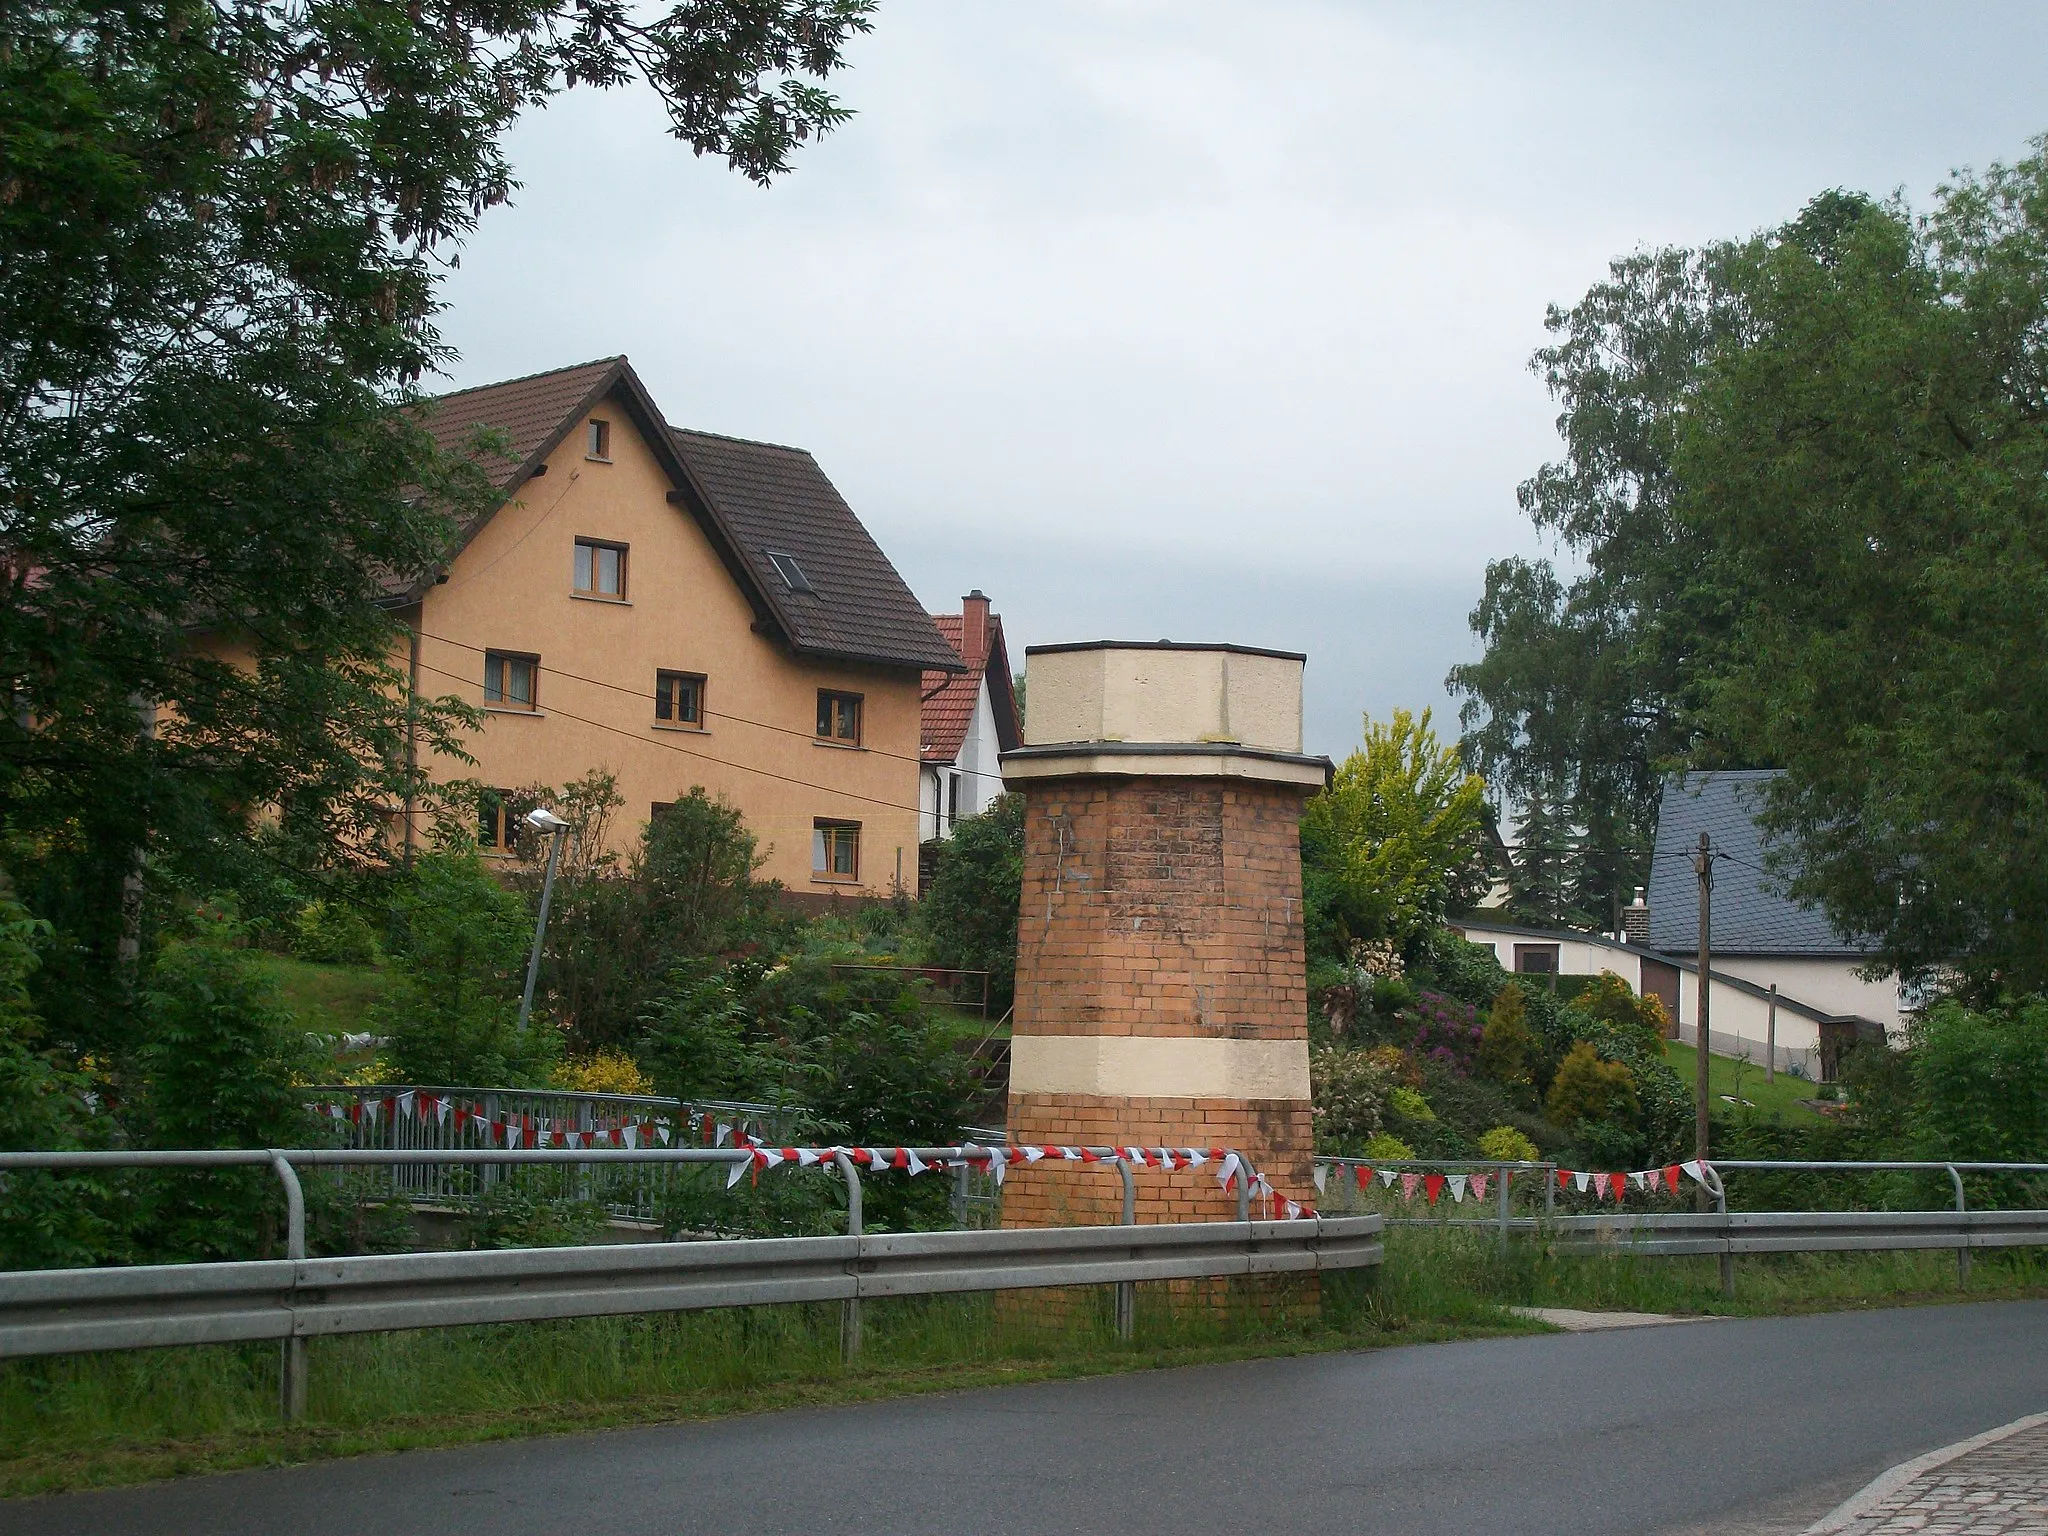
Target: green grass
x=330, y=999
x=84, y=1421
x=1739, y=1079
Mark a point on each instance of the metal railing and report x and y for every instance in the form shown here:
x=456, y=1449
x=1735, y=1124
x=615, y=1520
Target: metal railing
x=1731, y=1234
x=389, y=1117
x=296, y=1298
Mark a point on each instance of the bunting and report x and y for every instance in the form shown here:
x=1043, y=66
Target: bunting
x=1601, y=1186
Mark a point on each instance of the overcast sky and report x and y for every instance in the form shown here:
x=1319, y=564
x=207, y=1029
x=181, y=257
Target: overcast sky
x=1211, y=320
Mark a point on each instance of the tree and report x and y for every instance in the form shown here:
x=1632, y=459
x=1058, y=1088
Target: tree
x=1395, y=840
x=1862, y=473
x=969, y=910
x=221, y=232
x=1583, y=694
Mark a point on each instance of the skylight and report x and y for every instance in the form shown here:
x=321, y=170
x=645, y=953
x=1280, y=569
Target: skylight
x=791, y=573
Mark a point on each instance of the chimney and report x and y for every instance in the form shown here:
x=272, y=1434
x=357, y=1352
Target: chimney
x=974, y=628
x=1635, y=920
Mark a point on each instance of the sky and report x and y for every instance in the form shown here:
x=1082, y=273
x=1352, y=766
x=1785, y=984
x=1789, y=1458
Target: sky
x=1209, y=319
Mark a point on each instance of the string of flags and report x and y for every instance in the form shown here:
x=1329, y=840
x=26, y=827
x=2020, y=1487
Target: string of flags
x=515, y=1131
x=1433, y=1186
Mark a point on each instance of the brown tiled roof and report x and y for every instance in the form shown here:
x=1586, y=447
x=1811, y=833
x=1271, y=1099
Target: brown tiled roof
x=949, y=699
x=772, y=498
x=750, y=498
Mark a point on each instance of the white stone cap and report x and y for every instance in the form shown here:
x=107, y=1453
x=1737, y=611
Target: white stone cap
x=1162, y=708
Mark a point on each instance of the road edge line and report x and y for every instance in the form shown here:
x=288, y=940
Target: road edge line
x=1887, y=1483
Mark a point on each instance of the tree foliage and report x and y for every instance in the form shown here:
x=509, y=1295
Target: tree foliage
x=221, y=231
x=969, y=909
x=1863, y=472
x=1394, y=841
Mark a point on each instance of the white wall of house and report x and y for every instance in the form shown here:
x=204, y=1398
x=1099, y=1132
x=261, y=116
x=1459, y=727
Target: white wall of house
x=977, y=770
x=1739, y=1023
x=1830, y=985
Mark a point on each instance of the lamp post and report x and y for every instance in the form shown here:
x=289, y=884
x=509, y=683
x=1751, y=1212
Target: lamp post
x=545, y=821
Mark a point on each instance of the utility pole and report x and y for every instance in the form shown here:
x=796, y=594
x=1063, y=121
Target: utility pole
x=1771, y=1039
x=1703, y=866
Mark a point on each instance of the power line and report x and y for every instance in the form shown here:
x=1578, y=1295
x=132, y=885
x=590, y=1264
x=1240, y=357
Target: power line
x=598, y=682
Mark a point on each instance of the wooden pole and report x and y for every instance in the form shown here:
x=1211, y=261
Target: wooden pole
x=1703, y=866
x=1771, y=1038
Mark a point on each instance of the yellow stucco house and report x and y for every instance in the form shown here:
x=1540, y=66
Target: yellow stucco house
x=677, y=609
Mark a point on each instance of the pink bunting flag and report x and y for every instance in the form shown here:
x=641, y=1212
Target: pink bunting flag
x=1409, y=1182
x=1479, y=1183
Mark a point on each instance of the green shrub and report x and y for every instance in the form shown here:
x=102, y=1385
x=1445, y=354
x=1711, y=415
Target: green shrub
x=1980, y=1083
x=1506, y=1045
x=1609, y=1000
x=1505, y=1144
x=1588, y=1090
x=969, y=910
x=452, y=1012
x=1387, y=1148
x=331, y=933
x=215, y=1069
x=1349, y=1090
x=1410, y=1102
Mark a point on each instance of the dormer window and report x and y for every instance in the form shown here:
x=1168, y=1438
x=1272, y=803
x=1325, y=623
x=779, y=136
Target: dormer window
x=597, y=440
x=792, y=574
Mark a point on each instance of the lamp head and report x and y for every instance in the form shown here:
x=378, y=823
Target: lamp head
x=541, y=819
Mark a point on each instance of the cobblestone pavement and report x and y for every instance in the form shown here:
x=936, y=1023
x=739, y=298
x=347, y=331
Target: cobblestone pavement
x=1998, y=1489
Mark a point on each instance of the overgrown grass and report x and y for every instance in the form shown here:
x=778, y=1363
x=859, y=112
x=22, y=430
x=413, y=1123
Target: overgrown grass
x=83, y=1421
x=328, y=999
x=88, y=1420
x=1741, y=1080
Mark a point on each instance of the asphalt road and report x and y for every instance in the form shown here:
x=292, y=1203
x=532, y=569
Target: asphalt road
x=1703, y=1427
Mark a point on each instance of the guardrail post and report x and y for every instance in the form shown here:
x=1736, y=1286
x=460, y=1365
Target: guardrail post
x=1126, y=1290
x=291, y=1370
x=1720, y=1194
x=1962, y=1237
x=849, y=1309
x=1506, y=1175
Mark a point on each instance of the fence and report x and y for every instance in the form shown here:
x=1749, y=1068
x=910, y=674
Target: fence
x=1721, y=1232
x=296, y=1298
x=414, y=1118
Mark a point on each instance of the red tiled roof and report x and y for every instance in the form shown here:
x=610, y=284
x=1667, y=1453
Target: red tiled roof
x=949, y=698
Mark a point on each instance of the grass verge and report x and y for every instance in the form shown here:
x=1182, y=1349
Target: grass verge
x=326, y=999
x=1741, y=1080
x=89, y=1421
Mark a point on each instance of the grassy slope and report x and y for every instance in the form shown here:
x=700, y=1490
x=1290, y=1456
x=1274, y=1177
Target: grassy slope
x=331, y=999
x=1725, y=1073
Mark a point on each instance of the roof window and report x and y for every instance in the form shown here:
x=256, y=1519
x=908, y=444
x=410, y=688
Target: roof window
x=791, y=573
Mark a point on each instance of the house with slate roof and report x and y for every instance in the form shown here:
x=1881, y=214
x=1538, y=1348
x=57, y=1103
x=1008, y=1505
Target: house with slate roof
x=1759, y=933
x=1785, y=984
x=970, y=716
x=678, y=609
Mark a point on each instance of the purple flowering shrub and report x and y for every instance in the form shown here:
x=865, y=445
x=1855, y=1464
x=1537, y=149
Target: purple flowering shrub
x=1447, y=1032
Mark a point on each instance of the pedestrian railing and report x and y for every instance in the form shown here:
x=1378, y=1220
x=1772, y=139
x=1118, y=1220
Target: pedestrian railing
x=297, y=1298
x=414, y=1118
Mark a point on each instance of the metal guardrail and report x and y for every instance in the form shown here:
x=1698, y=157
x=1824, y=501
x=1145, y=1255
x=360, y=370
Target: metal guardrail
x=296, y=1298
x=1728, y=1235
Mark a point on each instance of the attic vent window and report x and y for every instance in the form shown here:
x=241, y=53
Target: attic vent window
x=791, y=573
x=597, y=440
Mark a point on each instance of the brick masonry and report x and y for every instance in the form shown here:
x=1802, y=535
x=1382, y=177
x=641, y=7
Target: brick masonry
x=1165, y=907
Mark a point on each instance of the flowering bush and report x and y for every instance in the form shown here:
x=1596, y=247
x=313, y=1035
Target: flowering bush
x=1448, y=1032
x=1349, y=1096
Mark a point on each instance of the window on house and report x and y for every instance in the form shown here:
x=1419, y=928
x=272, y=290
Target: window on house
x=839, y=717
x=495, y=822
x=952, y=797
x=600, y=569
x=1536, y=959
x=835, y=850
x=597, y=439
x=792, y=574
x=679, y=698
x=509, y=680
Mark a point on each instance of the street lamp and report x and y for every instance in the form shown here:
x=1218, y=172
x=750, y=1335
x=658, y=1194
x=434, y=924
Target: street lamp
x=546, y=822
